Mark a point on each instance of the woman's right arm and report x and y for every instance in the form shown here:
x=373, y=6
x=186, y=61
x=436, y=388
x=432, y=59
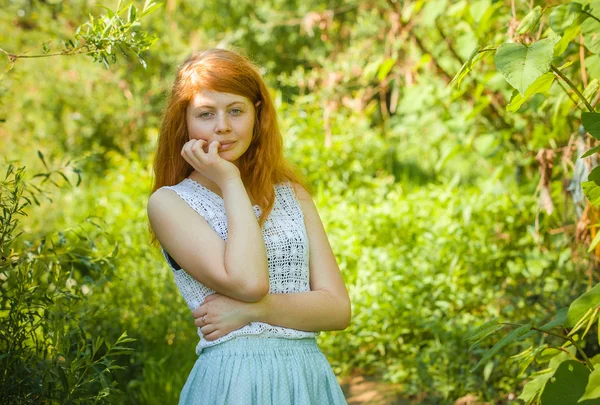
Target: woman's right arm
x=237, y=268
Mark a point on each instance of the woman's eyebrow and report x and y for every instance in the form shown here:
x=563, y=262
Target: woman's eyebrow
x=228, y=105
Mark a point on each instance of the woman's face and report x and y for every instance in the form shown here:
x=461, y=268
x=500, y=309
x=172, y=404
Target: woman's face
x=224, y=117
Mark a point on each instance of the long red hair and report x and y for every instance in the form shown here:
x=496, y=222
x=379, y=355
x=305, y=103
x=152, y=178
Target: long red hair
x=262, y=165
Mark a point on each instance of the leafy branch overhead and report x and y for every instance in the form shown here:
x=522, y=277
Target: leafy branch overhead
x=104, y=36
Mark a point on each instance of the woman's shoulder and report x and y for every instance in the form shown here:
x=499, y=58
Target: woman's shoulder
x=301, y=193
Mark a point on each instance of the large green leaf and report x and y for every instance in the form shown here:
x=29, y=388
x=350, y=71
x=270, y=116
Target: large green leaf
x=541, y=85
x=592, y=192
x=590, y=28
x=521, y=65
x=563, y=16
x=592, y=65
x=567, y=385
x=590, y=152
x=533, y=388
x=595, y=175
x=591, y=123
x=566, y=39
x=581, y=305
x=592, y=391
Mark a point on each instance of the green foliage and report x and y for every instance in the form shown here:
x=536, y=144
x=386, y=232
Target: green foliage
x=47, y=355
x=441, y=181
x=522, y=65
x=102, y=36
x=565, y=381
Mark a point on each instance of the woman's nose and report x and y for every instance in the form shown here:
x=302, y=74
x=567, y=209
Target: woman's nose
x=222, y=125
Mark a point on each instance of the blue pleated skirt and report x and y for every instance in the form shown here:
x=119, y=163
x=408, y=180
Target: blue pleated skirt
x=252, y=370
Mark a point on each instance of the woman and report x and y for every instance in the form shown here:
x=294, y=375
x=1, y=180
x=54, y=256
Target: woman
x=244, y=240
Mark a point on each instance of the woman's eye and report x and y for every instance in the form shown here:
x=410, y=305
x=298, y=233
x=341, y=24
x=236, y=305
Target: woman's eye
x=236, y=111
x=204, y=115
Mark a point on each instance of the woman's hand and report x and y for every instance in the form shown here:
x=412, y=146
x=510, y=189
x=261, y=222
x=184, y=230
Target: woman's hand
x=209, y=164
x=222, y=314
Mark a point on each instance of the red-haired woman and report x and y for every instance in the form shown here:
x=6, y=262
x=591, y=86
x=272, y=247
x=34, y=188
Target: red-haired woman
x=243, y=238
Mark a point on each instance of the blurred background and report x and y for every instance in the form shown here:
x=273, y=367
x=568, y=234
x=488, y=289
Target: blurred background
x=446, y=204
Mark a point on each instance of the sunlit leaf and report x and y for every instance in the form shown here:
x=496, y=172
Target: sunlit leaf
x=522, y=65
x=583, y=304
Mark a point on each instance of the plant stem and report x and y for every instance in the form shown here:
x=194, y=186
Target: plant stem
x=580, y=350
x=12, y=56
x=591, y=15
x=562, y=349
x=573, y=87
x=570, y=339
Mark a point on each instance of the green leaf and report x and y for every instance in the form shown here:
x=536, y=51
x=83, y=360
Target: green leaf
x=431, y=11
x=592, y=65
x=581, y=305
x=592, y=390
x=525, y=358
x=63, y=378
x=142, y=62
x=530, y=21
x=591, y=123
x=567, y=37
x=483, y=329
x=590, y=152
x=521, y=65
x=541, y=85
x=591, y=90
x=476, y=56
x=560, y=319
x=533, y=388
x=385, y=68
x=488, y=333
x=594, y=242
x=590, y=29
x=131, y=14
x=563, y=16
x=512, y=336
x=149, y=7
x=592, y=192
x=477, y=8
x=567, y=385
x=41, y=156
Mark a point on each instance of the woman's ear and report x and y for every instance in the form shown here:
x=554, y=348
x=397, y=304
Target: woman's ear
x=257, y=103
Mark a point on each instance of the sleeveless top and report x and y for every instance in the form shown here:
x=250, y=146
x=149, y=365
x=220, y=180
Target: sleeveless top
x=286, y=243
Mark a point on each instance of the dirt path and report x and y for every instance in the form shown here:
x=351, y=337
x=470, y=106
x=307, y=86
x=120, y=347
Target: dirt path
x=369, y=390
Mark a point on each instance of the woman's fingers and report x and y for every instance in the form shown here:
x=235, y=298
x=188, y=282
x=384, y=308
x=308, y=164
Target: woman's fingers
x=192, y=152
x=202, y=320
x=198, y=147
x=213, y=148
x=199, y=311
x=208, y=329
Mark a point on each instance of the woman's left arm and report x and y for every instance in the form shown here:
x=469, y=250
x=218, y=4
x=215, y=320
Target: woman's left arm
x=325, y=307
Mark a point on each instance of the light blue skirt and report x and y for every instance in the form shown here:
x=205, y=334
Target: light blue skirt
x=252, y=370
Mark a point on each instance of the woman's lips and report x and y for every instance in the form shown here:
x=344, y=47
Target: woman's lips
x=226, y=146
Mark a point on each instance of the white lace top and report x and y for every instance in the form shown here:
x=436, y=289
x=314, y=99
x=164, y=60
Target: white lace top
x=287, y=248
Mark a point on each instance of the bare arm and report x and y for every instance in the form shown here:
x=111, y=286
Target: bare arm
x=201, y=252
x=245, y=252
x=327, y=305
x=308, y=311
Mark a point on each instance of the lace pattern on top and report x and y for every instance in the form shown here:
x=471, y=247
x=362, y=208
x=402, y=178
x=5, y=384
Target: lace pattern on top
x=286, y=242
